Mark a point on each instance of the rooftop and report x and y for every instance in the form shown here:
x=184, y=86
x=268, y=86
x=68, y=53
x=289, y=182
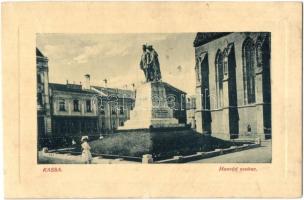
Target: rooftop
x=205, y=37
x=120, y=93
x=38, y=53
x=78, y=88
x=116, y=92
x=174, y=88
x=70, y=88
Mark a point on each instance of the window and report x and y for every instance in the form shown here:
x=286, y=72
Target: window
x=219, y=77
x=114, y=110
x=101, y=106
x=259, y=53
x=61, y=105
x=88, y=105
x=226, y=65
x=249, y=71
x=197, y=70
x=41, y=78
x=121, y=110
x=40, y=99
x=38, y=78
x=76, y=105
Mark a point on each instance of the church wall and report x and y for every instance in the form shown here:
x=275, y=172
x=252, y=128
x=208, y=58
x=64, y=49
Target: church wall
x=247, y=117
x=217, y=122
x=247, y=112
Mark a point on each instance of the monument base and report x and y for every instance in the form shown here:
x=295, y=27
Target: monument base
x=151, y=108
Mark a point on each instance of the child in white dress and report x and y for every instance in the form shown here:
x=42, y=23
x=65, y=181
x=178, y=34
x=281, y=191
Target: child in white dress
x=86, y=150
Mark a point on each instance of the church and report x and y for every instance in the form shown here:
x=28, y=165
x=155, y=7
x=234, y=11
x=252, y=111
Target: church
x=233, y=85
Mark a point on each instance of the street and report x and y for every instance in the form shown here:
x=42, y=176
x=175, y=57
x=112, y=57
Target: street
x=257, y=155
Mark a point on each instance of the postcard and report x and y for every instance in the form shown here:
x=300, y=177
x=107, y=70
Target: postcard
x=152, y=99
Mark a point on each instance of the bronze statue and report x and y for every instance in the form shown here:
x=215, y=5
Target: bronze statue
x=149, y=64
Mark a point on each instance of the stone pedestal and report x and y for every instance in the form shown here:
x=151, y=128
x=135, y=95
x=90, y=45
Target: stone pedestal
x=151, y=108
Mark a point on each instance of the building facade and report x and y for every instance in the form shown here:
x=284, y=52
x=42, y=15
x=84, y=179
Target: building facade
x=114, y=107
x=177, y=101
x=66, y=111
x=43, y=98
x=191, y=108
x=74, y=110
x=233, y=92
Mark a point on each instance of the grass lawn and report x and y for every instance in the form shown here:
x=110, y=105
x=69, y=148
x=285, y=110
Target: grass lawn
x=123, y=144
x=161, y=144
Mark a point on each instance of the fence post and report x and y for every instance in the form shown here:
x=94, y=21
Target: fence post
x=178, y=158
x=258, y=141
x=45, y=150
x=147, y=158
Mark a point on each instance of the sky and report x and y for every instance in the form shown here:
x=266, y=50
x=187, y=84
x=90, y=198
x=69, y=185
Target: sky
x=116, y=57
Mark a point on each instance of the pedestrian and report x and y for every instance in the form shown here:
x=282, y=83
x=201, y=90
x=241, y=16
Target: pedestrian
x=86, y=150
x=73, y=142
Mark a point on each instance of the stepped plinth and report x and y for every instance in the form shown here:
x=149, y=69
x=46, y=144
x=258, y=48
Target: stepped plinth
x=151, y=108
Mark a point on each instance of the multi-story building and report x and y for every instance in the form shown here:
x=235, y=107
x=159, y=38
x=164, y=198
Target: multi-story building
x=233, y=84
x=43, y=97
x=176, y=99
x=74, y=110
x=68, y=110
x=114, y=106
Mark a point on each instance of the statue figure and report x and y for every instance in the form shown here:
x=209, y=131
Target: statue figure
x=154, y=63
x=149, y=64
x=144, y=62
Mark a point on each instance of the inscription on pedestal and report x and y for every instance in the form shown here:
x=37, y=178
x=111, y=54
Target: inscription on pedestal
x=161, y=113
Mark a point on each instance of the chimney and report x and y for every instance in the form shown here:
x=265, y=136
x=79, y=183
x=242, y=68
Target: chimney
x=67, y=82
x=87, y=84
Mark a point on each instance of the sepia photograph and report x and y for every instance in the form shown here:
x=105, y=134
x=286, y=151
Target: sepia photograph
x=201, y=97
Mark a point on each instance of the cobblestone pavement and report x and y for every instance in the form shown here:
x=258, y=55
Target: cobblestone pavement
x=257, y=155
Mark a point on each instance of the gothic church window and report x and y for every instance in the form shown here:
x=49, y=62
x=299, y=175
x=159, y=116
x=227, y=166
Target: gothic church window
x=249, y=71
x=197, y=70
x=219, y=77
x=226, y=65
